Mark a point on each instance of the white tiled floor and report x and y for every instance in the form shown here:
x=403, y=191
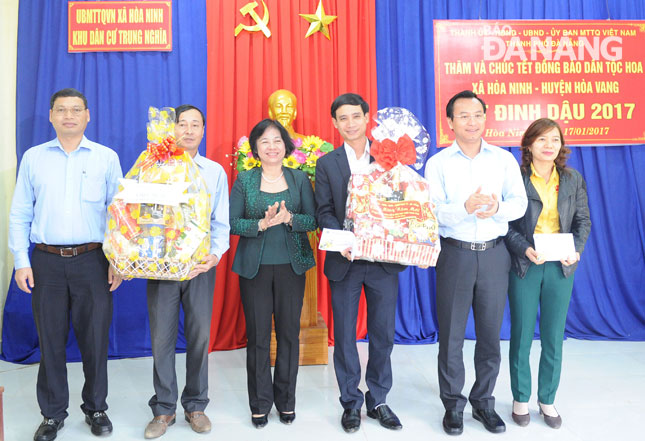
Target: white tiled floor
x=602, y=397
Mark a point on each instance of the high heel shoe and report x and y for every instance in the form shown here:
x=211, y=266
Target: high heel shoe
x=260, y=421
x=552, y=422
x=287, y=418
x=521, y=419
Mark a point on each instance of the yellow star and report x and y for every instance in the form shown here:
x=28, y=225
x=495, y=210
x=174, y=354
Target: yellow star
x=319, y=21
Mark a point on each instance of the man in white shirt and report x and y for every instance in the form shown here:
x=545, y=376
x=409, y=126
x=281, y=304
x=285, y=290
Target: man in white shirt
x=477, y=189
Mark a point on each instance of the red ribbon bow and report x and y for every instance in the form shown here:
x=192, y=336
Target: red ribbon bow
x=388, y=153
x=162, y=151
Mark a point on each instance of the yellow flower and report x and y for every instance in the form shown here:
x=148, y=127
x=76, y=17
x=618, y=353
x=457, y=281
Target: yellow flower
x=134, y=255
x=155, y=231
x=141, y=241
x=245, y=148
x=121, y=265
x=250, y=163
x=111, y=224
x=135, y=213
x=311, y=160
x=171, y=234
x=174, y=269
x=124, y=229
x=153, y=267
x=290, y=162
x=310, y=143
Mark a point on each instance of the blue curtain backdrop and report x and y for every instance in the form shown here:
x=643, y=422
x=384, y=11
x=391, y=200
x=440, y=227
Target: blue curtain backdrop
x=119, y=87
x=608, y=299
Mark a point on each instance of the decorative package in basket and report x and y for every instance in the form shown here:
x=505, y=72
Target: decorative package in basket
x=389, y=208
x=158, y=224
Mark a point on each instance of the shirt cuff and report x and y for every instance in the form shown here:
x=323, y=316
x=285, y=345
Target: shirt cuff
x=21, y=260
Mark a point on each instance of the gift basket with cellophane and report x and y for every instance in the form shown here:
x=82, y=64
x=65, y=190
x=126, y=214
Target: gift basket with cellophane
x=389, y=208
x=158, y=224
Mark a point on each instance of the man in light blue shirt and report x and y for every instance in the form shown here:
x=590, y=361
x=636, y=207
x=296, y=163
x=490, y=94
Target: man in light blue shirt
x=477, y=189
x=195, y=295
x=60, y=203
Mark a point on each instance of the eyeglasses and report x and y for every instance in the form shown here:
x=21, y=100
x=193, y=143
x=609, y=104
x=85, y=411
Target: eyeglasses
x=61, y=111
x=477, y=117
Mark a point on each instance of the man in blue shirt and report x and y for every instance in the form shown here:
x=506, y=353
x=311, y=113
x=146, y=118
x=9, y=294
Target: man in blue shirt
x=60, y=203
x=477, y=189
x=195, y=295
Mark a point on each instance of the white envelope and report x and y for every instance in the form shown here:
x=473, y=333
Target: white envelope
x=336, y=240
x=554, y=247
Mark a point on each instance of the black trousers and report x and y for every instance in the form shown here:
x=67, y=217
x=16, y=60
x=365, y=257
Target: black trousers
x=164, y=300
x=465, y=279
x=75, y=287
x=381, y=290
x=275, y=291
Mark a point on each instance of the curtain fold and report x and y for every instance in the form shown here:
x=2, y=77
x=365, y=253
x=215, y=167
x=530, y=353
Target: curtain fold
x=119, y=87
x=244, y=70
x=608, y=299
x=386, y=40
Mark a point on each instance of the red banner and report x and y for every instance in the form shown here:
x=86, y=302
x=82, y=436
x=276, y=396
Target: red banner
x=587, y=75
x=119, y=26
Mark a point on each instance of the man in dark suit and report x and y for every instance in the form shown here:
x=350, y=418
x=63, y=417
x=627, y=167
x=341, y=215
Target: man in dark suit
x=348, y=277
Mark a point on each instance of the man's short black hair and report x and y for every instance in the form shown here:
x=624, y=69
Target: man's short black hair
x=64, y=93
x=186, y=107
x=259, y=130
x=462, y=94
x=349, y=98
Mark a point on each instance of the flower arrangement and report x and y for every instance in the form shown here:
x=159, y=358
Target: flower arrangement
x=303, y=157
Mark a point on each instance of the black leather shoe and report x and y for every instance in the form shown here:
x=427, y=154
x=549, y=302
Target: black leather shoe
x=385, y=417
x=48, y=429
x=351, y=420
x=553, y=422
x=287, y=418
x=453, y=422
x=261, y=421
x=99, y=422
x=489, y=418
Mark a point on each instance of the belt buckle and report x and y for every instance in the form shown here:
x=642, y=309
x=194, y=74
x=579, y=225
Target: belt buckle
x=74, y=252
x=473, y=246
x=483, y=246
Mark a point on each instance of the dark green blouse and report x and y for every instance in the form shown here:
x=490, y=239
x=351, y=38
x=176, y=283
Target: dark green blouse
x=247, y=207
x=275, y=243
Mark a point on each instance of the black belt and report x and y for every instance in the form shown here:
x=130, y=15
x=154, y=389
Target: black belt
x=473, y=246
x=69, y=251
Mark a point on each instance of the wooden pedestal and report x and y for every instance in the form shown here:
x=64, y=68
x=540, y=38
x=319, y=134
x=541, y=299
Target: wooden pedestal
x=313, y=330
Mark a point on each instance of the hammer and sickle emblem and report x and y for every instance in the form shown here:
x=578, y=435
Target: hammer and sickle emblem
x=260, y=23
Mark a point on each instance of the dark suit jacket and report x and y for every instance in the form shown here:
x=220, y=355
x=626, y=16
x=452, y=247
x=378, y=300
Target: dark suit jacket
x=246, y=210
x=332, y=177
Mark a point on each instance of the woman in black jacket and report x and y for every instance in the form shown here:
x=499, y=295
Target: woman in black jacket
x=557, y=203
x=272, y=208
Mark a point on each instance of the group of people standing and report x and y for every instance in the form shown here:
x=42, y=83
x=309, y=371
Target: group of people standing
x=486, y=229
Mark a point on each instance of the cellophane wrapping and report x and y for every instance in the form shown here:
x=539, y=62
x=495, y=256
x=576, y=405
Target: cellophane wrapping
x=166, y=236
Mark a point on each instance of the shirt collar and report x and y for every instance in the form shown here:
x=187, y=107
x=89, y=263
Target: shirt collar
x=85, y=143
x=455, y=149
x=198, y=159
x=353, y=152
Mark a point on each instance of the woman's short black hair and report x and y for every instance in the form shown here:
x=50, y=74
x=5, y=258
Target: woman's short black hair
x=259, y=130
